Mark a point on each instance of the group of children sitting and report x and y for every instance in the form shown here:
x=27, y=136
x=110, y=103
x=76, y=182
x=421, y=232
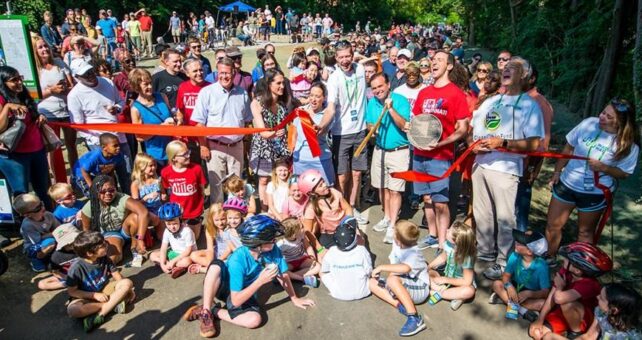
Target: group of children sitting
x=307, y=235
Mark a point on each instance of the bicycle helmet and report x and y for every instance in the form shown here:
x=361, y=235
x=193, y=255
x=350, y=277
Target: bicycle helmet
x=235, y=203
x=308, y=180
x=345, y=236
x=258, y=230
x=169, y=211
x=588, y=258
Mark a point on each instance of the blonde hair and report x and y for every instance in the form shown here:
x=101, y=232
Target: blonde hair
x=25, y=203
x=464, y=238
x=291, y=226
x=407, y=233
x=275, y=179
x=215, y=209
x=141, y=163
x=173, y=148
x=34, y=42
x=488, y=65
x=234, y=184
x=59, y=190
x=137, y=76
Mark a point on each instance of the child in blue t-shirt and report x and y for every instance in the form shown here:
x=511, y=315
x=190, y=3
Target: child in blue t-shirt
x=96, y=162
x=526, y=281
x=68, y=207
x=256, y=263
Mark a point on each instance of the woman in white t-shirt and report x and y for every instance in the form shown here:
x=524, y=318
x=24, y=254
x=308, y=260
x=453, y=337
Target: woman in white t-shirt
x=611, y=141
x=55, y=83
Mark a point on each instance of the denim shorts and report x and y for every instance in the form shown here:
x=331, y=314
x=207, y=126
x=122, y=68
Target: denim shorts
x=583, y=202
x=438, y=190
x=117, y=234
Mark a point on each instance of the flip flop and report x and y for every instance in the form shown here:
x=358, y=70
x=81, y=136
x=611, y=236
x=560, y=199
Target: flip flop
x=178, y=271
x=194, y=268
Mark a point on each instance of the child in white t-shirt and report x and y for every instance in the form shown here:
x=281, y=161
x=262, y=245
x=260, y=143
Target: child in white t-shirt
x=299, y=254
x=178, y=242
x=277, y=190
x=346, y=268
x=408, y=282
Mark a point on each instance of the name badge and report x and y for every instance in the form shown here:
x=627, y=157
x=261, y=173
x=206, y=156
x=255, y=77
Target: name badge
x=353, y=115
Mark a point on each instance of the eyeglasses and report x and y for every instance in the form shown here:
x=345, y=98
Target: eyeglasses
x=235, y=58
x=128, y=61
x=107, y=191
x=194, y=47
x=620, y=105
x=503, y=59
x=219, y=58
x=37, y=208
x=482, y=70
x=16, y=79
x=186, y=154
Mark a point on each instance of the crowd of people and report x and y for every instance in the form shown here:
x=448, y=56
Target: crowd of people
x=276, y=211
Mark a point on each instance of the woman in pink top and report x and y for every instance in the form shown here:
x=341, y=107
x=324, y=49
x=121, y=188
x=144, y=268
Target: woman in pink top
x=325, y=209
x=16, y=104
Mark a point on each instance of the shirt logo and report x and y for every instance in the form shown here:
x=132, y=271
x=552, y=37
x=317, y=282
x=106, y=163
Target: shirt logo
x=492, y=121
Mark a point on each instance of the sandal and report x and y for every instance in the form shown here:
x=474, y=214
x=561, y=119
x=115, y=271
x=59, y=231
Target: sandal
x=177, y=272
x=194, y=268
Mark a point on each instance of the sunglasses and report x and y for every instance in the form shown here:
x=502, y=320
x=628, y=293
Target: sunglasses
x=128, y=61
x=220, y=58
x=620, y=105
x=66, y=198
x=503, y=59
x=37, y=208
x=107, y=191
x=194, y=47
x=481, y=70
x=238, y=57
x=186, y=154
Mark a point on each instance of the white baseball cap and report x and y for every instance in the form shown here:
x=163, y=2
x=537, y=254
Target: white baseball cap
x=79, y=67
x=404, y=52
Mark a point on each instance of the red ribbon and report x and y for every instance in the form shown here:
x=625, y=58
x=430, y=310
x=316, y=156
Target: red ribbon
x=415, y=176
x=195, y=131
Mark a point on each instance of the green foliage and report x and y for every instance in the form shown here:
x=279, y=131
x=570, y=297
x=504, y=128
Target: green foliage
x=33, y=9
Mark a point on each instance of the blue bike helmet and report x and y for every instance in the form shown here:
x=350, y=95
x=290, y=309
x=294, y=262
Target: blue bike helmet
x=258, y=230
x=169, y=211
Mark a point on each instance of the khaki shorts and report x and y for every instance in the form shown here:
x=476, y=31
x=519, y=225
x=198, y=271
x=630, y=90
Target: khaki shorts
x=107, y=290
x=386, y=162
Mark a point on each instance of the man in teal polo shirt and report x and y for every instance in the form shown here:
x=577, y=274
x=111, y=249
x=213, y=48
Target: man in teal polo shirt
x=391, y=149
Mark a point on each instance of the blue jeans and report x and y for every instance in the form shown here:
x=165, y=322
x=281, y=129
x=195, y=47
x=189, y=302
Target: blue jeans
x=523, y=204
x=14, y=173
x=36, y=171
x=124, y=169
x=279, y=27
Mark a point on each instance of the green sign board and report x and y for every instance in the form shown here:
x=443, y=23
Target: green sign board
x=16, y=50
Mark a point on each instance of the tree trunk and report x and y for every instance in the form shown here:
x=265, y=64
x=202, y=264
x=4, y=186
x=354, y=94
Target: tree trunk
x=637, y=64
x=512, y=22
x=609, y=61
x=471, y=30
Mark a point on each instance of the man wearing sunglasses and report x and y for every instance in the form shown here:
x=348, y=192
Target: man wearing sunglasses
x=195, y=52
x=96, y=100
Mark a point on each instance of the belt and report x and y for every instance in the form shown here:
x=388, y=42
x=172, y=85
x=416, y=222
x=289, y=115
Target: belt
x=216, y=141
x=403, y=147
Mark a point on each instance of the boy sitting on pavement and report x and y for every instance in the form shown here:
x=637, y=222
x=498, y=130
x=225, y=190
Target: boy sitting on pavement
x=36, y=229
x=96, y=162
x=526, y=280
x=92, y=292
x=408, y=282
x=346, y=268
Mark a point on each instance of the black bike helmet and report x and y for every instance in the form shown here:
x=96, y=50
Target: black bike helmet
x=258, y=230
x=345, y=236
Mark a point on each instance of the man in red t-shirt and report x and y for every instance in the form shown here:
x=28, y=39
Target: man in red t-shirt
x=186, y=99
x=146, y=28
x=447, y=103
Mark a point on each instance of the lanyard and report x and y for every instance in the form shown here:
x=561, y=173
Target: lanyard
x=355, y=87
x=521, y=283
x=591, y=146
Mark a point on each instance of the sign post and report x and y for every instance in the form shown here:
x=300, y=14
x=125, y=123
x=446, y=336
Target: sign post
x=16, y=50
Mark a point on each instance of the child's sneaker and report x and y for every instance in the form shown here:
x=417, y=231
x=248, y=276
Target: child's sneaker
x=494, y=272
x=137, y=260
x=455, y=304
x=494, y=299
x=311, y=281
x=91, y=322
x=389, y=238
x=193, y=313
x=120, y=307
x=414, y=324
x=530, y=316
x=38, y=265
x=428, y=242
x=207, y=327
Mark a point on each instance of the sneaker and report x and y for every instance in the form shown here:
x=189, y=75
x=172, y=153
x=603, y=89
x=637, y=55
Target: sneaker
x=494, y=272
x=530, y=316
x=551, y=261
x=428, y=242
x=359, y=217
x=311, y=281
x=38, y=267
x=137, y=260
x=414, y=205
x=494, y=299
x=207, y=328
x=402, y=309
x=178, y=272
x=389, y=238
x=381, y=225
x=193, y=313
x=455, y=304
x=414, y=324
x=120, y=307
x=91, y=322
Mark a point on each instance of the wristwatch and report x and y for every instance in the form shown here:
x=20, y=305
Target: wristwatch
x=505, y=144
